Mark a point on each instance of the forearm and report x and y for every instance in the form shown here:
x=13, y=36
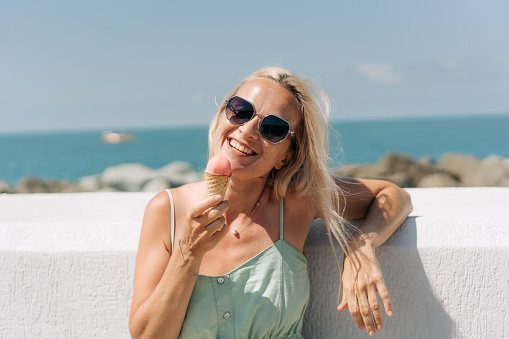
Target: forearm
x=163, y=313
x=390, y=207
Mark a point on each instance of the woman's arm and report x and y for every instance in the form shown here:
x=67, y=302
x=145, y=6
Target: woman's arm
x=384, y=207
x=162, y=283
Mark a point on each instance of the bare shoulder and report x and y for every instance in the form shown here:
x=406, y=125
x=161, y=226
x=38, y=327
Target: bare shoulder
x=160, y=203
x=303, y=207
x=158, y=215
x=187, y=195
x=299, y=213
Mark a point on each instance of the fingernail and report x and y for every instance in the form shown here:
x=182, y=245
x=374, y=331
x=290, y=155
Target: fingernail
x=219, y=198
x=371, y=333
x=389, y=313
x=379, y=327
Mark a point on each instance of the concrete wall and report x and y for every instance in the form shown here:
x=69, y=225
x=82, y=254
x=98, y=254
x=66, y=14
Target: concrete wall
x=67, y=265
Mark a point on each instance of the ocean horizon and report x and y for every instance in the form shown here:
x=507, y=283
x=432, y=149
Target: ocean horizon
x=70, y=155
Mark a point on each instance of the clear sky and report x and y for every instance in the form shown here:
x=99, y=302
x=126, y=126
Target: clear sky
x=67, y=65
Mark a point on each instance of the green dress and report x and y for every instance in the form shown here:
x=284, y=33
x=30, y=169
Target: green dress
x=265, y=297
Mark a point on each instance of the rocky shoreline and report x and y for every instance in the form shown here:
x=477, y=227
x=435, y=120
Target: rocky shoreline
x=452, y=170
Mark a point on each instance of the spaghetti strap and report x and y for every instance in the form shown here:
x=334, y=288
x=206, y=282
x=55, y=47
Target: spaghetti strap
x=281, y=219
x=172, y=208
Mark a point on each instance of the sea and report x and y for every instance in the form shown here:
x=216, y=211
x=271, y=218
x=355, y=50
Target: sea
x=72, y=155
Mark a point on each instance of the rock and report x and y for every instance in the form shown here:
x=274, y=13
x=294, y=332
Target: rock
x=90, y=183
x=179, y=173
x=491, y=172
x=156, y=185
x=127, y=177
x=505, y=161
x=346, y=171
x=137, y=177
x=108, y=189
x=393, y=162
x=405, y=171
x=5, y=187
x=370, y=171
x=402, y=179
x=31, y=184
x=426, y=161
x=464, y=166
x=58, y=186
x=504, y=182
x=438, y=180
x=71, y=188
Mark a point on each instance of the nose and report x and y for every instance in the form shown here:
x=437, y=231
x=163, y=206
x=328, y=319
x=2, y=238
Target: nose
x=251, y=129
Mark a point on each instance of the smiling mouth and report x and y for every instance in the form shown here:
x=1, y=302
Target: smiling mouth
x=238, y=147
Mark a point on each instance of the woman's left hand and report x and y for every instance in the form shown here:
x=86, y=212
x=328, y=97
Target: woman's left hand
x=362, y=281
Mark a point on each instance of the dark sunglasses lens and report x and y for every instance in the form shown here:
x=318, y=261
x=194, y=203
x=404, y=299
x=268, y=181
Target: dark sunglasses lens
x=239, y=111
x=274, y=129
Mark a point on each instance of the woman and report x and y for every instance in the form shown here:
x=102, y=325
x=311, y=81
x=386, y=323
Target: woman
x=209, y=268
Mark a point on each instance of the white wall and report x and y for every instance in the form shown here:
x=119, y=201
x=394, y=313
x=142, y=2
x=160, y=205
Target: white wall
x=67, y=264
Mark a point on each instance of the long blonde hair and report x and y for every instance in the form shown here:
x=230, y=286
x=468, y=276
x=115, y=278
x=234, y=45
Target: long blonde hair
x=308, y=172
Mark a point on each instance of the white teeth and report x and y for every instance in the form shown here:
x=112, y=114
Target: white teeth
x=240, y=148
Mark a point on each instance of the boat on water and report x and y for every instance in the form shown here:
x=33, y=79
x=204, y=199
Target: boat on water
x=117, y=137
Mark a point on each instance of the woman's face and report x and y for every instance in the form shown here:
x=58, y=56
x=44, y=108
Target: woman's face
x=250, y=155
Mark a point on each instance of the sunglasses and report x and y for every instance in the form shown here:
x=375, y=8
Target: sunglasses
x=272, y=128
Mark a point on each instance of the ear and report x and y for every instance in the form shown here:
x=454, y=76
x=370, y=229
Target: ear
x=284, y=160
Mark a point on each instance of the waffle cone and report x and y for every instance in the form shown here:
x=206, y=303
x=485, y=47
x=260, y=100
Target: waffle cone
x=217, y=184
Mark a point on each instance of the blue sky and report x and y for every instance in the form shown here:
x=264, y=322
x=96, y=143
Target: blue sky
x=68, y=65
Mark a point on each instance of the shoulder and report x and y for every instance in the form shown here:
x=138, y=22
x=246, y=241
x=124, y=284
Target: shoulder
x=302, y=206
x=160, y=203
x=158, y=212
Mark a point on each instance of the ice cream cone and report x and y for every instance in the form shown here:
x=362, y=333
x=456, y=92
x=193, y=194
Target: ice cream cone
x=217, y=184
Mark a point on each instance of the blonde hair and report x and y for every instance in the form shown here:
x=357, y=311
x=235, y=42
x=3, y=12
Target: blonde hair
x=308, y=172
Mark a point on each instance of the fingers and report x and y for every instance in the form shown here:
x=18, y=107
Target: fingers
x=214, y=226
x=205, y=225
x=384, y=294
x=205, y=213
x=361, y=292
x=204, y=205
x=214, y=213
x=374, y=305
x=353, y=306
x=220, y=234
x=365, y=313
x=343, y=305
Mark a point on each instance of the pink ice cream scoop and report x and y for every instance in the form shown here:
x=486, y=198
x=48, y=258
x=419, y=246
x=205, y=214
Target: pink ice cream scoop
x=217, y=175
x=219, y=165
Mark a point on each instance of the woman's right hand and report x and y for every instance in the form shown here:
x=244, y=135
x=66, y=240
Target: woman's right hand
x=162, y=282
x=205, y=227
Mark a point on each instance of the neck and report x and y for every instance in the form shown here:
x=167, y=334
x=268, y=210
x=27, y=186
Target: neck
x=243, y=197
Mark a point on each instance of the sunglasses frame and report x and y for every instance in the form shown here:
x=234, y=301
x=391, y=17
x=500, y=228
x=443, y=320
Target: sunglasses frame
x=291, y=133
